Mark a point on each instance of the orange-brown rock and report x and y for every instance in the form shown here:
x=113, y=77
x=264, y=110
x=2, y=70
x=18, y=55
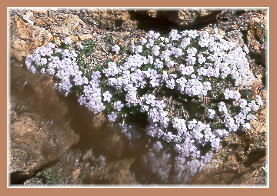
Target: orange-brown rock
x=25, y=37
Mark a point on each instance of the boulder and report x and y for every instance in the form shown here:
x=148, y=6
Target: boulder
x=25, y=37
x=40, y=131
x=35, y=142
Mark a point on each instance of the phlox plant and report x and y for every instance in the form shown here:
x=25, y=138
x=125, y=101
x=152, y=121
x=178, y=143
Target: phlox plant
x=186, y=85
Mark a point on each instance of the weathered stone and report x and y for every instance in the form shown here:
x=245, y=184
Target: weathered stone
x=35, y=139
x=85, y=36
x=116, y=172
x=19, y=49
x=109, y=19
x=256, y=176
x=73, y=38
x=77, y=167
x=252, y=25
x=70, y=25
x=186, y=16
x=25, y=37
x=71, y=169
x=36, y=142
x=256, y=34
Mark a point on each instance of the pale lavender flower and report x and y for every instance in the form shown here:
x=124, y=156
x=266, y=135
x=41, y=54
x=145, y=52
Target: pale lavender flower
x=67, y=40
x=174, y=35
x=80, y=45
x=245, y=48
x=107, y=96
x=240, y=118
x=242, y=103
x=118, y=105
x=247, y=126
x=112, y=116
x=116, y=48
x=251, y=117
x=168, y=137
x=78, y=79
x=170, y=83
x=157, y=146
x=228, y=94
x=211, y=113
x=222, y=107
x=143, y=41
x=33, y=69
x=201, y=58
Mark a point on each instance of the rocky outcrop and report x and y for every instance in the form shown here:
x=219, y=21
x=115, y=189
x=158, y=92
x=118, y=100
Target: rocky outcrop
x=25, y=37
x=256, y=37
x=36, y=140
x=252, y=26
x=111, y=20
x=164, y=20
x=31, y=29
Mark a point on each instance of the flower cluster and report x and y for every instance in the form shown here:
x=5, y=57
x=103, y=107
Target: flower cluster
x=201, y=71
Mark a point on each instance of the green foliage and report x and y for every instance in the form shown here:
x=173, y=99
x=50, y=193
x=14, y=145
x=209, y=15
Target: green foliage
x=89, y=46
x=109, y=38
x=49, y=177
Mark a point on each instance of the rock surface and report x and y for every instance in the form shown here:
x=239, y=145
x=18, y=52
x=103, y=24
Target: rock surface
x=71, y=169
x=116, y=172
x=35, y=139
x=252, y=26
x=25, y=37
x=81, y=168
x=35, y=142
x=256, y=37
x=164, y=21
x=111, y=20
